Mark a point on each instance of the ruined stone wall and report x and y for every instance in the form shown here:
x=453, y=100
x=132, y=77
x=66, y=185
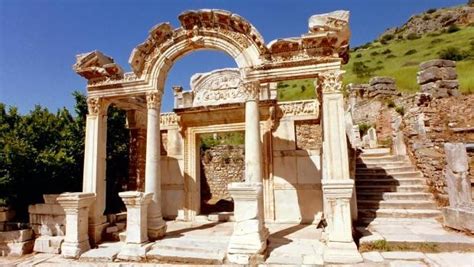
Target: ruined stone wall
x=308, y=135
x=428, y=127
x=221, y=165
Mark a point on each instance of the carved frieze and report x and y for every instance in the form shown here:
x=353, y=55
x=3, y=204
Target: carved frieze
x=169, y=119
x=299, y=108
x=95, y=66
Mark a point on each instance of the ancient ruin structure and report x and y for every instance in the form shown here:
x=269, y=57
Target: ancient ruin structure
x=291, y=174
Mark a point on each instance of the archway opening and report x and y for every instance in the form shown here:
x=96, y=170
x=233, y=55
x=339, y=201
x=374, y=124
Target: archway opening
x=222, y=161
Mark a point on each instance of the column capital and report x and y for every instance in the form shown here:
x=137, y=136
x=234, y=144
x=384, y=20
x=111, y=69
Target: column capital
x=153, y=99
x=97, y=106
x=251, y=90
x=74, y=201
x=331, y=81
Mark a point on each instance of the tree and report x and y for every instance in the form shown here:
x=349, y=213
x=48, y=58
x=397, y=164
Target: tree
x=43, y=153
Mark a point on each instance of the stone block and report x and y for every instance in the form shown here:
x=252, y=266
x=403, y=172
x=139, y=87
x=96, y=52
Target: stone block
x=48, y=244
x=284, y=136
x=50, y=198
x=16, y=236
x=284, y=169
x=6, y=215
x=172, y=201
x=16, y=248
x=372, y=256
x=381, y=80
x=46, y=209
x=460, y=218
x=437, y=63
x=308, y=169
x=456, y=157
x=434, y=73
x=285, y=203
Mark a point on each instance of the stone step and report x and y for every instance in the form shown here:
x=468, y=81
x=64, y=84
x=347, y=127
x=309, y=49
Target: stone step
x=165, y=255
x=395, y=169
x=392, y=188
x=390, y=181
x=395, y=204
x=415, y=174
x=416, y=196
x=374, y=152
x=388, y=164
x=382, y=158
x=399, y=213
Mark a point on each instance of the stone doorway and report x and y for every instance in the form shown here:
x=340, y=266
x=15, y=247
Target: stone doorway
x=221, y=162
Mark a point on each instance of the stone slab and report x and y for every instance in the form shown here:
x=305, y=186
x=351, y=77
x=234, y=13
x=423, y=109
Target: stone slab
x=402, y=255
x=402, y=263
x=101, y=254
x=437, y=63
x=372, y=256
x=459, y=218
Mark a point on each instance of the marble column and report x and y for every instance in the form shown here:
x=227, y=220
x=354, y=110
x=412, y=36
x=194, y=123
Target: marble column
x=156, y=224
x=338, y=187
x=136, y=123
x=249, y=239
x=76, y=208
x=95, y=164
x=137, y=208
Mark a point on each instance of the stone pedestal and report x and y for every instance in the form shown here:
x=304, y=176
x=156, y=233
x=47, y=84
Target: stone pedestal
x=76, y=207
x=340, y=247
x=137, y=207
x=249, y=239
x=156, y=224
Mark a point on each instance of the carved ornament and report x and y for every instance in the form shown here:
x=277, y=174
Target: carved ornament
x=331, y=81
x=153, y=100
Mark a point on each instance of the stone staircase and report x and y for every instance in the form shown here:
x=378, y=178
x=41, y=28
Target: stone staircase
x=390, y=187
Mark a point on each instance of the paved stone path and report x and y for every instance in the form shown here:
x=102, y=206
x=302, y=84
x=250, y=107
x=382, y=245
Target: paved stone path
x=289, y=244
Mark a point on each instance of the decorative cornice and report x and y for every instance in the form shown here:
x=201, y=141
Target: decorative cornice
x=331, y=81
x=153, y=100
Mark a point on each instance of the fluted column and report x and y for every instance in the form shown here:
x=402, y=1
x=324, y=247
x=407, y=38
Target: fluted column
x=338, y=187
x=156, y=224
x=249, y=239
x=94, y=180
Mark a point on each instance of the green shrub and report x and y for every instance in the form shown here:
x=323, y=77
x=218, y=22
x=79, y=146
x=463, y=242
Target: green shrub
x=433, y=34
x=358, y=56
x=453, y=53
x=431, y=10
x=400, y=37
x=452, y=28
x=374, y=53
x=436, y=41
x=426, y=17
x=410, y=52
x=390, y=103
x=390, y=56
x=361, y=70
x=379, y=62
x=386, y=51
x=413, y=36
x=364, y=127
x=400, y=110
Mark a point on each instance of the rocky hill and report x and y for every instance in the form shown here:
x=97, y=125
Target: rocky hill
x=446, y=33
x=433, y=20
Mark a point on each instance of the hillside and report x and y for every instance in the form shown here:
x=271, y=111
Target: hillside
x=398, y=52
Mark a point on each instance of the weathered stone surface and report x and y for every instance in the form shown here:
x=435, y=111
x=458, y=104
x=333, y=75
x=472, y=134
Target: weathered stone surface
x=434, y=74
x=48, y=244
x=460, y=217
x=437, y=63
x=16, y=236
x=381, y=80
x=456, y=157
x=308, y=135
x=373, y=256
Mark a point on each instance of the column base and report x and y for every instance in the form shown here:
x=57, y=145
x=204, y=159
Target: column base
x=156, y=233
x=134, y=252
x=248, y=242
x=72, y=250
x=342, y=252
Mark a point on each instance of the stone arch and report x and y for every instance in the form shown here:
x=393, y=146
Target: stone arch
x=200, y=30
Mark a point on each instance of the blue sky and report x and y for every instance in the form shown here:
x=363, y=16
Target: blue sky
x=39, y=39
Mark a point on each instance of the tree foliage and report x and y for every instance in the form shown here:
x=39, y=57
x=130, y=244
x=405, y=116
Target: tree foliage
x=43, y=153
